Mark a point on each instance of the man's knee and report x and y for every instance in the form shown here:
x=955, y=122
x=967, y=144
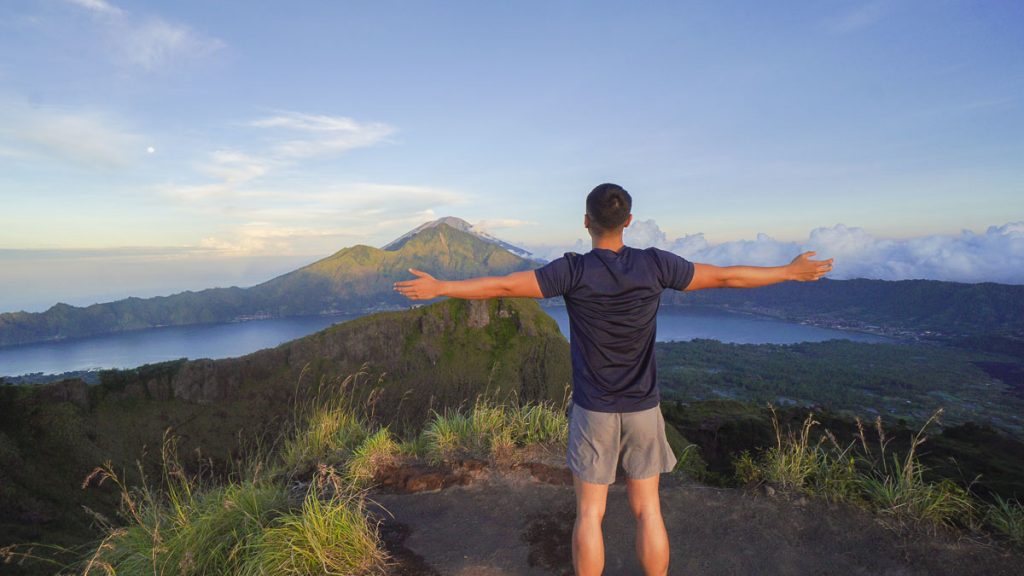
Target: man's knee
x=643, y=512
x=644, y=500
x=587, y=512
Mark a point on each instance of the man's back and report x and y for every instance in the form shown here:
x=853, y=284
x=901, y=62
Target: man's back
x=612, y=298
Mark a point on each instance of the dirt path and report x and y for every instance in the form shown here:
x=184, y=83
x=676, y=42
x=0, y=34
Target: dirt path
x=509, y=524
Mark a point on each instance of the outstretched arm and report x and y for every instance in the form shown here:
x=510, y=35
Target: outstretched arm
x=515, y=285
x=801, y=269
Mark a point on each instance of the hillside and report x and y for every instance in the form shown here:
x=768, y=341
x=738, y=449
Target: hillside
x=354, y=279
x=946, y=309
x=429, y=358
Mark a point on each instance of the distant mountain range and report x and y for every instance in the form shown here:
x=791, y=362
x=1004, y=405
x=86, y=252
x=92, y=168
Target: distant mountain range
x=928, y=308
x=354, y=279
x=360, y=278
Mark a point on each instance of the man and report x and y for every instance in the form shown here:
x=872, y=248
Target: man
x=612, y=294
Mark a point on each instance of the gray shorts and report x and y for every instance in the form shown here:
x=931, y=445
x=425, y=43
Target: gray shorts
x=598, y=440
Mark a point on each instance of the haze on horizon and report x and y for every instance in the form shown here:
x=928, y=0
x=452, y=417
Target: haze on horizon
x=148, y=148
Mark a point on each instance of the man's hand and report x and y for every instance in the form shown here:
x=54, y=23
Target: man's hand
x=424, y=287
x=803, y=269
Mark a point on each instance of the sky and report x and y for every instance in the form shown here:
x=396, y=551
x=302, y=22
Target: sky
x=153, y=147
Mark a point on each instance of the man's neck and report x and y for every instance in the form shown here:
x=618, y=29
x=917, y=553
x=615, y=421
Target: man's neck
x=613, y=243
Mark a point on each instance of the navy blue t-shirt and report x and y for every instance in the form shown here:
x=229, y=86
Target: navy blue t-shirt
x=612, y=299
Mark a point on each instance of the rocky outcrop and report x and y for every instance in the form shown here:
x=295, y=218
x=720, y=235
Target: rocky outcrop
x=73, y=390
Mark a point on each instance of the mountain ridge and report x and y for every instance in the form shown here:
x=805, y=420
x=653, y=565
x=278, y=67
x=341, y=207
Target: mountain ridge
x=354, y=279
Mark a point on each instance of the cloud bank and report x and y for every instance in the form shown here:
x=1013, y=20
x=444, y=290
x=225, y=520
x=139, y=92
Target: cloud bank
x=997, y=255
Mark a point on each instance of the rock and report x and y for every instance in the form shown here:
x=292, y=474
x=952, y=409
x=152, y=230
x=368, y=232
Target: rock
x=428, y=481
x=479, y=314
x=547, y=474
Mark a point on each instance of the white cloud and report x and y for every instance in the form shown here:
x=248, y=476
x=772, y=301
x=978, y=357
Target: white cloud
x=862, y=15
x=252, y=190
x=315, y=219
x=154, y=42
x=234, y=167
x=100, y=6
x=314, y=135
x=148, y=42
x=491, y=224
x=997, y=255
x=645, y=233
x=83, y=136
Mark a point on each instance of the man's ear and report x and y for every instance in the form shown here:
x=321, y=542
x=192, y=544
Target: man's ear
x=629, y=219
x=586, y=221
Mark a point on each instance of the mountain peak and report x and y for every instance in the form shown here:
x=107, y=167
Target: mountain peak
x=463, y=226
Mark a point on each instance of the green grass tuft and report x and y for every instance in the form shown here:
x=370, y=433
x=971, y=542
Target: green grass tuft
x=328, y=535
x=892, y=486
x=1006, y=517
x=493, y=430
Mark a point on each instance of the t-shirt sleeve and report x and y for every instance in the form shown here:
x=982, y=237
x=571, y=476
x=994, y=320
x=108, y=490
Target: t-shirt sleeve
x=676, y=271
x=557, y=277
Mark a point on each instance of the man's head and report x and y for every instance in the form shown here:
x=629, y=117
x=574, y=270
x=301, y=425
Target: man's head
x=608, y=207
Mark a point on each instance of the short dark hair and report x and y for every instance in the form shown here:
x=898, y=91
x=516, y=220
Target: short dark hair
x=608, y=206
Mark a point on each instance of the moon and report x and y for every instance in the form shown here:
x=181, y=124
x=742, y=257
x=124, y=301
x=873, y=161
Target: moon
x=150, y=150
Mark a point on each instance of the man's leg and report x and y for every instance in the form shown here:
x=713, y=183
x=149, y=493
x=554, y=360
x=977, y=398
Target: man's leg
x=587, y=539
x=651, y=537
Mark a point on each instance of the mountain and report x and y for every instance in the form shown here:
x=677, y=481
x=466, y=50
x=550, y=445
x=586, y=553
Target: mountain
x=460, y=224
x=930, y=308
x=432, y=357
x=354, y=279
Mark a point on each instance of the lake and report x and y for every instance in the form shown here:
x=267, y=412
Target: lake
x=130, y=349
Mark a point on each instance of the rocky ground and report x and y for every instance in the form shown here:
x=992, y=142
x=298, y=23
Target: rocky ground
x=480, y=520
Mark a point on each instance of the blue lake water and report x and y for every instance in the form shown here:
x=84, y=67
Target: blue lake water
x=130, y=349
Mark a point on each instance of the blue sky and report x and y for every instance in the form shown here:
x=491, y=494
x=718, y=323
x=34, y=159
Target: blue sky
x=190, y=144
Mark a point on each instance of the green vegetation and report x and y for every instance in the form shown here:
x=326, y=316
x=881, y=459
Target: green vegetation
x=948, y=311
x=493, y=430
x=1006, y=517
x=869, y=473
x=253, y=522
x=982, y=460
x=412, y=364
x=895, y=381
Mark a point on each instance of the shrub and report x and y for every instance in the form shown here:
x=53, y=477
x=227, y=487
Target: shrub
x=898, y=489
x=377, y=451
x=328, y=535
x=1007, y=518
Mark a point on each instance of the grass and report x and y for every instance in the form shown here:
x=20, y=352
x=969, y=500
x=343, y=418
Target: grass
x=377, y=451
x=326, y=428
x=875, y=478
x=1006, y=517
x=492, y=430
x=895, y=487
x=244, y=527
x=329, y=534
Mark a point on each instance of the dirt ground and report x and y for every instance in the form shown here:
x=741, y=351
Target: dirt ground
x=511, y=524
